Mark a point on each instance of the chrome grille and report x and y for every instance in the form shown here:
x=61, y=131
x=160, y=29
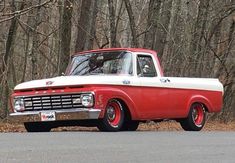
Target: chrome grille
x=48, y=102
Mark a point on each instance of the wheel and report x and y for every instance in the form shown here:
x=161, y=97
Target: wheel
x=37, y=127
x=114, y=117
x=196, y=118
x=130, y=125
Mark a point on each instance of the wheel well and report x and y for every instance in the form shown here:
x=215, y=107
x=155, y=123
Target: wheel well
x=126, y=109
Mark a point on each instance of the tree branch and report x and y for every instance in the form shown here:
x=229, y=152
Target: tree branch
x=22, y=12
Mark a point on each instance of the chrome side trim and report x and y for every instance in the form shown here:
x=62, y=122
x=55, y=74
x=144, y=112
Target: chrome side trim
x=62, y=114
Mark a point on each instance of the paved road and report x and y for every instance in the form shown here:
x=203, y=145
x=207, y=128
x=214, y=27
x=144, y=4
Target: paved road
x=118, y=147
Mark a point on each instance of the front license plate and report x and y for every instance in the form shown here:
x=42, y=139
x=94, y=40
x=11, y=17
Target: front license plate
x=47, y=116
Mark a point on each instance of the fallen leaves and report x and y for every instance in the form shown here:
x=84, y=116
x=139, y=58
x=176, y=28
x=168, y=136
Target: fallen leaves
x=151, y=126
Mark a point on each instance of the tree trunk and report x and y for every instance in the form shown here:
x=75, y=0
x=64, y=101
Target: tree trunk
x=163, y=30
x=112, y=25
x=65, y=37
x=8, y=57
x=169, y=55
x=86, y=25
x=229, y=79
x=152, y=23
x=34, y=22
x=91, y=26
x=197, y=39
x=132, y=23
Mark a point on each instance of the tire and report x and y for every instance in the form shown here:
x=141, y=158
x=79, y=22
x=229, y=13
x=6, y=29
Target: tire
x=130, y=126
x=114, y=117
x=196, y=118
x=37, y=127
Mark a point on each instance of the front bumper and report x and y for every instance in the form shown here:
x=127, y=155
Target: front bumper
x=60, y=115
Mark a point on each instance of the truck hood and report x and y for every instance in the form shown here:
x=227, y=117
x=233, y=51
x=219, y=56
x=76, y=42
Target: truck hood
x=72, y=81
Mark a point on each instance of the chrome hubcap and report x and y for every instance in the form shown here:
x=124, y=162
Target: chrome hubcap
x=194, y=114
x=111, y=113
x=198, y=115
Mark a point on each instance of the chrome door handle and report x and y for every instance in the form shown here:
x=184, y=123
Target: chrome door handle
x=165, y=80
x=126, y=82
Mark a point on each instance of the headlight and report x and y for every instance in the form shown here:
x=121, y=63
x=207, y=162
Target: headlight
x=87, y=100
x=19, y=104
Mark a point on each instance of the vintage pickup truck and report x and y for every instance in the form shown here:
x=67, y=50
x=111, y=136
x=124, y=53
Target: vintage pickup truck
x=115, y=89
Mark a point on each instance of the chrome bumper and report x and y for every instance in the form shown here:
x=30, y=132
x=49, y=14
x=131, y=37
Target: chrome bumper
x=60, y=115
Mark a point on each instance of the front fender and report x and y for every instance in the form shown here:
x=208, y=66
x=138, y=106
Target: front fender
x=103, y=95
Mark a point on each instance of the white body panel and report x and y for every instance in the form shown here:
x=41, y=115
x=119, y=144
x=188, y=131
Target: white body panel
x=172, y=82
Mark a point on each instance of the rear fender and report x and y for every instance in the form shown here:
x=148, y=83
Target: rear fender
x=199, y=99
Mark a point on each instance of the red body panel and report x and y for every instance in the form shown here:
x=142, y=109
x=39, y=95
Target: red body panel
x=144, y=103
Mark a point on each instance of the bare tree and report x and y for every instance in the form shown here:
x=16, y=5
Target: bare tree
x=86, y=25
x=192, y=38
x=8, y=57
x=197, y=39
x=162, y=27
x=152, y=23
x=132, y=23
x=112, y=23
x=65, y=35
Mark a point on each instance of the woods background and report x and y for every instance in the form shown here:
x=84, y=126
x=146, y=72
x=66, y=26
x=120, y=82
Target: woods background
x=194, y=38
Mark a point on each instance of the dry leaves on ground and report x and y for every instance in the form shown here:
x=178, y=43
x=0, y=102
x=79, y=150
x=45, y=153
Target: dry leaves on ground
x=151, y=126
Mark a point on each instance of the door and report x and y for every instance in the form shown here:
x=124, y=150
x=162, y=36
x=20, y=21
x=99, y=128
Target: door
x=155, y=103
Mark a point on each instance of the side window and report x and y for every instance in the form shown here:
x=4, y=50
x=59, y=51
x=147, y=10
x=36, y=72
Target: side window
x=145, y=66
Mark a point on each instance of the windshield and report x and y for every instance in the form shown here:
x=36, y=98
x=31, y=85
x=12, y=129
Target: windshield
x=114, y=63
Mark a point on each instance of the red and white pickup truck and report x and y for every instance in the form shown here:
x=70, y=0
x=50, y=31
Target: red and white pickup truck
x=115, y=89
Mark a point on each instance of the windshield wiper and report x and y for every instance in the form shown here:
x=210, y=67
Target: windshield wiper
x=79, y=65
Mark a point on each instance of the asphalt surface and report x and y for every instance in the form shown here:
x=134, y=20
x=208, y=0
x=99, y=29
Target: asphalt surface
x=118, y=147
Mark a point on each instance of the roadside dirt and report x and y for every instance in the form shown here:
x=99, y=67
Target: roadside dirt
x=151, y=126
